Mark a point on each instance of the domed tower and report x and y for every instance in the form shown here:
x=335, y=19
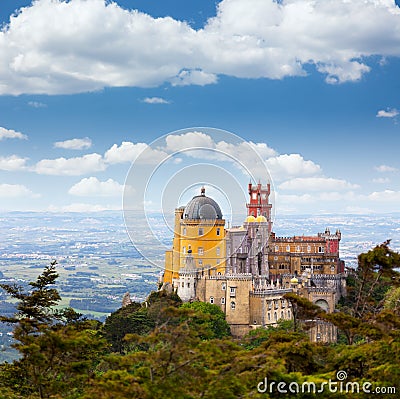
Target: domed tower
x=199, y=228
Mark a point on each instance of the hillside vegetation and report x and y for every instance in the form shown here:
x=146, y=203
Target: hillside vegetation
x=165, y=349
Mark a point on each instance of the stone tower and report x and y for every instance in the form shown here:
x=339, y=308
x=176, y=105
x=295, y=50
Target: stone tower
x=259, y=202
x=187, y=279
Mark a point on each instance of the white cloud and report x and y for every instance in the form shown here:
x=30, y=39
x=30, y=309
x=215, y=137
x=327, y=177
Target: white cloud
x=316, y=184
x=128, y=152
x=16, y=191
x=381, y=180
x=12, y=163
x=385, y=168
x=74, y=144
x=180, y=142
x=56, y=46
x=156, y=100
x=11, y=134
x=222, y=150
x=70, y=166
x=320, y=197
x=291, y=165
x=388, y=113
x=37, y=104
x=194, y=77
x=91, y=186
x=385, y=196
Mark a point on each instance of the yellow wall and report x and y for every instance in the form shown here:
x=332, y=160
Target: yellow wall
x=208, y=249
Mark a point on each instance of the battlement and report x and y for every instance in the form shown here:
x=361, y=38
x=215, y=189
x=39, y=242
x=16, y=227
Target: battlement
x=270, y=292
x=237, y=277
x=321, y=290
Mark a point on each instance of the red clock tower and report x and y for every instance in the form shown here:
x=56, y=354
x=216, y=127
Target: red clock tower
x=259, y=202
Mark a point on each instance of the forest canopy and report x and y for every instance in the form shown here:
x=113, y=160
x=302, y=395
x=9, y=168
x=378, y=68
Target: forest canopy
x=163, y=348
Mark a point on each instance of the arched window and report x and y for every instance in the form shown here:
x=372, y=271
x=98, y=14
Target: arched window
x=233, y=305
x=211, y=299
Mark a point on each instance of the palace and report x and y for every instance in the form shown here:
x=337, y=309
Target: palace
x=246, y=270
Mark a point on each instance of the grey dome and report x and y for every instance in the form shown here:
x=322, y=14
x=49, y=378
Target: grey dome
x=202, y=207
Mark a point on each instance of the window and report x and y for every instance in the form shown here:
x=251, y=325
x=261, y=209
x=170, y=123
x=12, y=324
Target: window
x=321, y=250
x=276, y=248
x=218, y=251
x=200, y=262
x=308, y=248
x=200, y=251
x=223, y=286
x=184, y=250
x=184, y=231
x=211, y=299
x=269, y=316
x=275, y=258
x=233, y=291
x=188, y=285
x=288, y=314
x=275, y=316
x=287, y=248
x=233, y=305
x=298, y=248
x=222, y=301
x=201, y=231
x=183, y=284
x=282, y=314
x=254, y=196
x=218, y=231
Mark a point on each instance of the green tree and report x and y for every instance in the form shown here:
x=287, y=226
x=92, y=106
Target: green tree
x=374, y=276
x=58, y=349
x=392, y=300
x=303, y=310
x=131, y=319
x=211, y=318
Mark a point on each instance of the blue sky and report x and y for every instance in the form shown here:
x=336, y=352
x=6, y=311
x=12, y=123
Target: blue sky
x=317, y=82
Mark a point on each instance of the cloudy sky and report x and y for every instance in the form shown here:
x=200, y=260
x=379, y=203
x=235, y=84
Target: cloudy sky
x=86, y=85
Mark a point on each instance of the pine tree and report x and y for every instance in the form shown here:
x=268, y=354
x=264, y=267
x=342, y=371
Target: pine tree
x=58, y=349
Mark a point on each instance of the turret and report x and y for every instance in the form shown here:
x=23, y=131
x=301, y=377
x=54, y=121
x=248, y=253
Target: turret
x=187, y=279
